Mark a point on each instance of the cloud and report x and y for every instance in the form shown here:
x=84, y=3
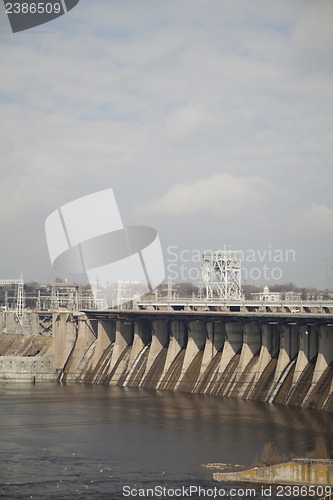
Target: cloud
x=313, y=37
x=220, y=195
x=184, y=108
x=191, y=122
x=318, y=218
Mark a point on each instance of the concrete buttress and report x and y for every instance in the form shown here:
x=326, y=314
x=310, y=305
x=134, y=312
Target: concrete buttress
x=307, y=350
x=124, y=338
x=160, y=340
x=106, y=334
x=65, y=335
x=195, y=343
x=251, y=346
x=324, y=358
x=142, y=337
x=289, y=344
x=269, y=347
x=233, y=343
x=178, y=339
x=87, y=334
x=215, y=337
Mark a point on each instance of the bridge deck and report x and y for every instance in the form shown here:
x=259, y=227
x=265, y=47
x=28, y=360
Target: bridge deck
x=262, y=316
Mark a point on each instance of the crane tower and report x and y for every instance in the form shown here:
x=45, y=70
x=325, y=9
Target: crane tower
x=221, y=274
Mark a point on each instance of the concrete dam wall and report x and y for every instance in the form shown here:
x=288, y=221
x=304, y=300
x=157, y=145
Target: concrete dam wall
x=26, y=350
x=272, y=359
x=297, y=471
x=285, y=359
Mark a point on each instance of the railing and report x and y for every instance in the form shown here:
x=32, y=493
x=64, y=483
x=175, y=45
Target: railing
x=255, y=306
x=322, y=461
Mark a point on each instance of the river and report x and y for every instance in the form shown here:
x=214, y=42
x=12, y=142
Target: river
x=101, y=442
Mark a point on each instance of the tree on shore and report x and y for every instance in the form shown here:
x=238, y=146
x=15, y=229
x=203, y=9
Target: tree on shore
x=320, y=450
x=270, y=455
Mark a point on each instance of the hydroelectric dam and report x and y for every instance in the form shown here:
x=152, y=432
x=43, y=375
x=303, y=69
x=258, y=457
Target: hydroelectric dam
x=277, y=354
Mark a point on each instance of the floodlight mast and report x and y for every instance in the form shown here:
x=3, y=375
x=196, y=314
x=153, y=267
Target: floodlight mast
x=221, y=274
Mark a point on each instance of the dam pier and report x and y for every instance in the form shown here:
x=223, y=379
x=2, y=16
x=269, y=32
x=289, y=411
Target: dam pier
x=275, y=354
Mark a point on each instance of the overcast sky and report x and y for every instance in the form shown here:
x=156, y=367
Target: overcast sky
x=210, y=119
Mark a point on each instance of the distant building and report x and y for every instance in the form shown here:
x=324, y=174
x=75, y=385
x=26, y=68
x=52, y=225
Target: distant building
x=62, y=287
x=266, y=295
x=66, y=287
x=316, y=296
x=289, y=296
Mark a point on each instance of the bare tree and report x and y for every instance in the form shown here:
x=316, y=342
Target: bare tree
x=269, y=456
x=320, y=450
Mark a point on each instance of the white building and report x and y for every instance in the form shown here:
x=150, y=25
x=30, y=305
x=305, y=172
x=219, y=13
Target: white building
x=267, y=296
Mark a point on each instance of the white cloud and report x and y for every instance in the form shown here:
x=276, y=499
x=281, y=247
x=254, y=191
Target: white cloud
x=318, y=219
x=191, y=122
x=221, y=195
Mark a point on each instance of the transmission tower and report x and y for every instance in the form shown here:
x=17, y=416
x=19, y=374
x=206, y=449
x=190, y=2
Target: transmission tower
x=20, y=299
x=329, y=274
x=19, y=295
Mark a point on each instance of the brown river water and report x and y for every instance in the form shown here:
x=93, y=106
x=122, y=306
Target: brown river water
x=101, y=442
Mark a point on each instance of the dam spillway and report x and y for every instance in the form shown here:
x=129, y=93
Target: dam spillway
x=273, y=357
x=276, y=358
